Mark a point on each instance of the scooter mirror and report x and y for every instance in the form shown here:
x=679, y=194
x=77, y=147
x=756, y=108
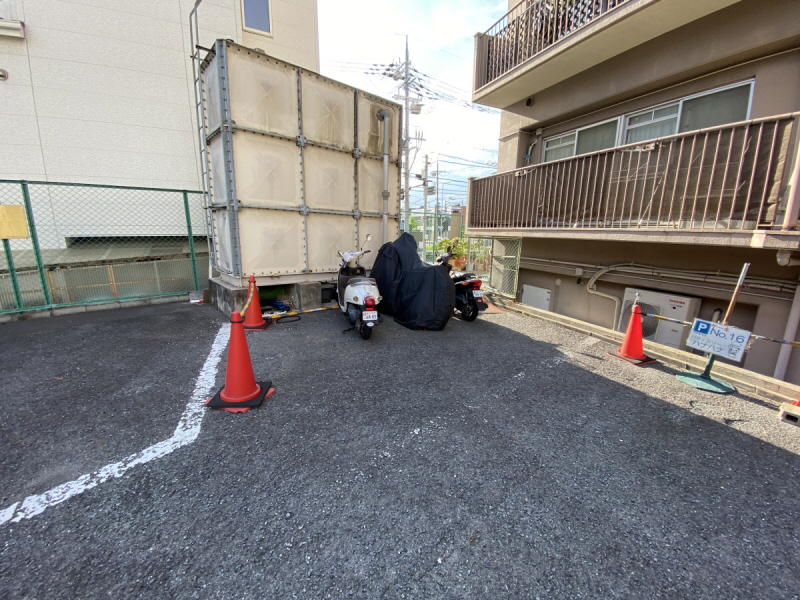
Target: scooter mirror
x=369, y=237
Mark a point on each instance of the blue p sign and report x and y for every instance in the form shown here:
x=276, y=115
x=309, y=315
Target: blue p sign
x=702, y=327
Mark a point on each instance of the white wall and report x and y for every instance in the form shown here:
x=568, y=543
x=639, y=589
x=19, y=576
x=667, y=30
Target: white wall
x=100, y=91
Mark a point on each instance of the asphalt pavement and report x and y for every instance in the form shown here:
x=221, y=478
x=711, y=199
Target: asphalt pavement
x=505, y=458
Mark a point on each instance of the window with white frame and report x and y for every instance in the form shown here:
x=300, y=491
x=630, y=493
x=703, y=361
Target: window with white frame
x=587, y=139
x=256, y=15
x=729, y=104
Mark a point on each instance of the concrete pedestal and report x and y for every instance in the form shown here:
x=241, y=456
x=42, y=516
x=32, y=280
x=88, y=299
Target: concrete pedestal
x=307, y=295
x=225, y=297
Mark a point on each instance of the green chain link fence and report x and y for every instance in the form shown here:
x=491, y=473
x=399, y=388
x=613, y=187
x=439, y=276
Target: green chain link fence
x=430, y=228
x=93, y=243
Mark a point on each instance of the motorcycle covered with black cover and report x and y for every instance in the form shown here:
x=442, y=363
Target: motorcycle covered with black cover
x=418, y=295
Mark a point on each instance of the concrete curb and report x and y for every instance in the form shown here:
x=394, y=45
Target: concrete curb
x=70, y=310
x=766, y=388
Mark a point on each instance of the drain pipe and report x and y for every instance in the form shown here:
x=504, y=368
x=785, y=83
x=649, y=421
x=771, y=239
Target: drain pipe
x=383, y=115
x=592, y=289
x=789, y=334
x=785, y=260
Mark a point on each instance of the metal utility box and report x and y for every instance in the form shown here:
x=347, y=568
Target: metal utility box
x=293, y=167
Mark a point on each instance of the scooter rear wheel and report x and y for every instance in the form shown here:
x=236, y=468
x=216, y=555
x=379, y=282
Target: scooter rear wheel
x=470, y=312
x=365, y=331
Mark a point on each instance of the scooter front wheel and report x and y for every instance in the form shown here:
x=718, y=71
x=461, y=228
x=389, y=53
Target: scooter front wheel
x=365, y=331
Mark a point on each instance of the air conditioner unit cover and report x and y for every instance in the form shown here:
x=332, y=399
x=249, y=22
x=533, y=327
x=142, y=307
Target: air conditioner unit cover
x=649, y=324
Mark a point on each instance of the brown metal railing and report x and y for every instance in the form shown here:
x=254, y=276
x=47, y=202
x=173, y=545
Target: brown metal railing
x=529, y=28
x=722, y=178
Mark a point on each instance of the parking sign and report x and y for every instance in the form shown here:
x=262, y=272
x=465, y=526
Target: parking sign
x=722, y=340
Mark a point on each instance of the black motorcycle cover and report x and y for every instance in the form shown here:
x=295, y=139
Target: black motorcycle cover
x=418, y=295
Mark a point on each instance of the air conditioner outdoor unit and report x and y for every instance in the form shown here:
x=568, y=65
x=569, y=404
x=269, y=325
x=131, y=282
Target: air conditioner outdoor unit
x=683, y=308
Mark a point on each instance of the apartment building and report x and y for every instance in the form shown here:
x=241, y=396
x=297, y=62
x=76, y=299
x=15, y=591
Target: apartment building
x=651, y=146
x=101, y=92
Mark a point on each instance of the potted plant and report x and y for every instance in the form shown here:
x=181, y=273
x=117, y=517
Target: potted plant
x=458, y=251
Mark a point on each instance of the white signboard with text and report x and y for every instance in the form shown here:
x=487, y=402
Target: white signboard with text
x=722, y=340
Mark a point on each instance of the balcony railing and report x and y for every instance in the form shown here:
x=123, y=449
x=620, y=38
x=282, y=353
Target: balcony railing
x=529, y=28
x=723, y=178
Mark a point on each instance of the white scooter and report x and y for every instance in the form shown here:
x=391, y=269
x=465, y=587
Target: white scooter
x=358, y=294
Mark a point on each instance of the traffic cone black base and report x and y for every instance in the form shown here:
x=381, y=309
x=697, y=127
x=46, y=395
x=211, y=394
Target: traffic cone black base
x=257, y=327
x=790, y=413
x=636, y=363
x=242, y=407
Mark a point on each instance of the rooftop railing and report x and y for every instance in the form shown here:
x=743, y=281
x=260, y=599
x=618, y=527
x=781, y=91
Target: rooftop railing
x=732, y=177
x=529, y=28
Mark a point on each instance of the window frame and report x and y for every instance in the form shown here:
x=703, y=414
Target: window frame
x=680, y=101
x=577, y=133
x=257, y=31
x=624, y=119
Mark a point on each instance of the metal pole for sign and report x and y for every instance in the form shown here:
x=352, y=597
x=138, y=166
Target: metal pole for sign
x=706, y=381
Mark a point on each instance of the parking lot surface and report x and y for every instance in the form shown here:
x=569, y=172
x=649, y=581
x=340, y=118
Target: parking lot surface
x=505, y=458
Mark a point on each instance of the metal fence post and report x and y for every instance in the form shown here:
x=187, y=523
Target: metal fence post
x=13, y=272
x=26, y=197
x=191, y=240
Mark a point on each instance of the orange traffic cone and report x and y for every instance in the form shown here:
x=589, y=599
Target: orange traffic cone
x=241, y=392
x=632, y=350
x=253, y=319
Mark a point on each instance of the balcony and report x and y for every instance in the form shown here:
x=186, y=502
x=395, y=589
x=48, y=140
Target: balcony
x=539, y=43
x=726, y=185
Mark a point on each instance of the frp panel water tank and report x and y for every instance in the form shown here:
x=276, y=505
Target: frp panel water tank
x=294, y=164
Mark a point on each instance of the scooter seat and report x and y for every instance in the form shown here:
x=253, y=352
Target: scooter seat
x=360, y=280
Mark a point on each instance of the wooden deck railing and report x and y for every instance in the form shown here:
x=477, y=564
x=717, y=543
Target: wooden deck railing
x=529, y=28
x=731, y=177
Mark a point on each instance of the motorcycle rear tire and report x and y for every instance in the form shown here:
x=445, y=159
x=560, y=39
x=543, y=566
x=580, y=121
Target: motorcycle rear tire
x=365, y=331
x=470, y=311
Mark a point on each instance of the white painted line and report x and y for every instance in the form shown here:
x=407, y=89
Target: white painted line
x=185, y=433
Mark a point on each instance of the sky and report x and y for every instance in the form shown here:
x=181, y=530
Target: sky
x=355, y=35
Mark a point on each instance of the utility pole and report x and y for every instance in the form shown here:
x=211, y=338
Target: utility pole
x=436, y=214
x=425, y=208
x=406, y=141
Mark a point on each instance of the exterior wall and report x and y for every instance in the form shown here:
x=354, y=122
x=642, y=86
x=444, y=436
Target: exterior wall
x=760, y=311
x=295, y=33
x=102, y=92
x=728, y=46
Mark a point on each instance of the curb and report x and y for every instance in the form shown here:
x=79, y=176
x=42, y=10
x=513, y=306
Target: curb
x=70, y=310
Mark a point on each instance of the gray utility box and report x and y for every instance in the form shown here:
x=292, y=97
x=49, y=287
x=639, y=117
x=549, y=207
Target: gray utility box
x=293, y=167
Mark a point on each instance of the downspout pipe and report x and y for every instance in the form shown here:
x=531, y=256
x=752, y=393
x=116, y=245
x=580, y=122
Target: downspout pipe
x=592, y=289
x=789, y=333
x=383, y=115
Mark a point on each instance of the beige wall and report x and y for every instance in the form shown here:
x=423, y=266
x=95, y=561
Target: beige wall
x=759, y=313
x=101, y=92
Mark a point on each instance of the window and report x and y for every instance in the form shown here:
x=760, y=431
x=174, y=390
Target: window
x=588, y=139
x=728, y=106
x=709, y=109
x=597, y=137
x=256, y=15
x=560, y=147
x=652, y=124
